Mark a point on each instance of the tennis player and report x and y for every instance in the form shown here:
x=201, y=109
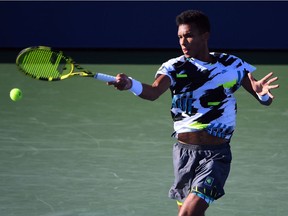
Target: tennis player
x=203, y=109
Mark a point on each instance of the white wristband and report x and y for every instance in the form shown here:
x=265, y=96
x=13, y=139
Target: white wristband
x=137, y=87
x=263, y=98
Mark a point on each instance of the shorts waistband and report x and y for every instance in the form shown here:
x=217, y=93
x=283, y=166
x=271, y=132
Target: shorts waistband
x=204, y=147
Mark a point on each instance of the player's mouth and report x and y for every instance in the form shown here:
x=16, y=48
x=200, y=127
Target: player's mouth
x=185, y=50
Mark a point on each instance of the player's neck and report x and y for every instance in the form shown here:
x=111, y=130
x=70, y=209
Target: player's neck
x=205, y=57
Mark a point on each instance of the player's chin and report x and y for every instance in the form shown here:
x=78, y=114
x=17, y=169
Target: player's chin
x=187, y=54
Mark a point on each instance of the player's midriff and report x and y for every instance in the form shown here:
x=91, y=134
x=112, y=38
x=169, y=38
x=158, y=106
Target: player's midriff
x=200, y=138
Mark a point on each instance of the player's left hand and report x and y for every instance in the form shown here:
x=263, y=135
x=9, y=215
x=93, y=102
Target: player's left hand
x=263, y=86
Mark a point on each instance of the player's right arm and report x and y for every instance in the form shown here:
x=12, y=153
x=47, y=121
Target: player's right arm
x=148, y=92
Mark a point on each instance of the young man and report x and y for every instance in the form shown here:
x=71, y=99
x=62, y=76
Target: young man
x=203, y=110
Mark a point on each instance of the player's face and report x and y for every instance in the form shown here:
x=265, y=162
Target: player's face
x=192, y=42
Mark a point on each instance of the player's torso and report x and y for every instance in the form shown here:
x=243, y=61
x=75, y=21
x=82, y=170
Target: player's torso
x=200, y=86
x=202, y=95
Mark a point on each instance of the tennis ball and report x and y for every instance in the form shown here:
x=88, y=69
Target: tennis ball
x=16, y=94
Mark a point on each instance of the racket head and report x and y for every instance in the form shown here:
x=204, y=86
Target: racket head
x=44, y=63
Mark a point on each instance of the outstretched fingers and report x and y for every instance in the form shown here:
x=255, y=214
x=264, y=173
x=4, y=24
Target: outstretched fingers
x=272, y=80
x=267, y=81
x=265, y=78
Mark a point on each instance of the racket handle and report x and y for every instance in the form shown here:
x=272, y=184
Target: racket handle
x=104, y=77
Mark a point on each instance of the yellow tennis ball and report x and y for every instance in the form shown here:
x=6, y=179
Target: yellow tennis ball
x=16, y=94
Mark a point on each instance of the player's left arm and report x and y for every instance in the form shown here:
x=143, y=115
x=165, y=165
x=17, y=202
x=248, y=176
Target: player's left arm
x=260, y=89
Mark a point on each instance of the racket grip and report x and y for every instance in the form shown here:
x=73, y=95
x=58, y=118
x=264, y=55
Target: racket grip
x=105, y=77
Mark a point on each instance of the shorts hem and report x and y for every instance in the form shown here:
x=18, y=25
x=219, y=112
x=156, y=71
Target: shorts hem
x=207, y=199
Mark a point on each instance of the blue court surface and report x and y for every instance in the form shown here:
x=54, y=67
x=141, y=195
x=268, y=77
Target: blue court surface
x=80, y=148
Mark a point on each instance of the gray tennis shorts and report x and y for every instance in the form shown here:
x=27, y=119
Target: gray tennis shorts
x=200, y=168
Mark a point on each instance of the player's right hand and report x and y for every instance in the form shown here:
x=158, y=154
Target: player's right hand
x=123, y=82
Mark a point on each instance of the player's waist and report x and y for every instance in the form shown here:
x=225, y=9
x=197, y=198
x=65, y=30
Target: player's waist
x=200, y=138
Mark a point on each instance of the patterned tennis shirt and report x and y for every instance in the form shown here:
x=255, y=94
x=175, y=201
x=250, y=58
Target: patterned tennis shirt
x=202, y=93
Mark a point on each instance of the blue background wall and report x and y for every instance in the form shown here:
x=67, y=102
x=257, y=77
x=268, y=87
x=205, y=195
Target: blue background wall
x=94, y=24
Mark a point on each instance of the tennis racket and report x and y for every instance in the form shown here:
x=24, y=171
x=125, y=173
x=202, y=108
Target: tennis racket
x=44, y=63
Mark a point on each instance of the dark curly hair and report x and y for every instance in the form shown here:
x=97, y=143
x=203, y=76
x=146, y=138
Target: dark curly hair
x=193, y=16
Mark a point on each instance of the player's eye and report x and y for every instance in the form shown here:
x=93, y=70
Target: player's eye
x=189, y=35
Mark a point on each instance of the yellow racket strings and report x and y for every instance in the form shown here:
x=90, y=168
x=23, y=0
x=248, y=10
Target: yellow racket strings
x=43, y=64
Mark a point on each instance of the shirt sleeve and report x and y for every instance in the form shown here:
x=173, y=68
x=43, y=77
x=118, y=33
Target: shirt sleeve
x=248, y=67
x=242, y=68
x=168, y=68
x=164, y=70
